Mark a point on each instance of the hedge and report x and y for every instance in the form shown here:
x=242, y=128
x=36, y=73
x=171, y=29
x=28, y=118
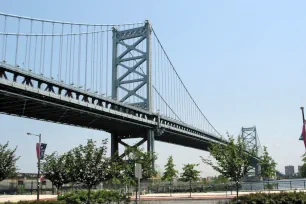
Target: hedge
x=96, y=197
x=272, y=198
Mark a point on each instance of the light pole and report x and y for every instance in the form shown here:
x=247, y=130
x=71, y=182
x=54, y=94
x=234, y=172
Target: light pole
x=302, y=108
x=38, y=163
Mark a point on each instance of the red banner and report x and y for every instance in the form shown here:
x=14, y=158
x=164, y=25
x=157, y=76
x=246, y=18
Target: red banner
x=37, y=150
x=304, y=133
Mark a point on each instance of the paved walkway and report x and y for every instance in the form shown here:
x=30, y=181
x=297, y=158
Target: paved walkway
x=147, y=197
x=200, y=196
x=17, y=198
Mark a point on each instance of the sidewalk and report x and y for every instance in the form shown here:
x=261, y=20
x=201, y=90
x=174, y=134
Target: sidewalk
x=200, y=196
x=17, y=198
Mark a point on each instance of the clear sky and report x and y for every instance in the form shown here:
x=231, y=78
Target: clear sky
x=243, y=62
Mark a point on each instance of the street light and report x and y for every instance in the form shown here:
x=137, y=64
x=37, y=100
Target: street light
x=38, y=163
x=302, y=108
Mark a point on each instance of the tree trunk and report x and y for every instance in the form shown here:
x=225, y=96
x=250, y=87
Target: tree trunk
x=269, y=185
x=170, y=187
x=237, y=190
x=57, y=190
x=190, y=188
x=88, y=196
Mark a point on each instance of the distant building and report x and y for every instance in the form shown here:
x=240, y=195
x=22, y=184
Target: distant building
x=209, y=178
x=289, y=170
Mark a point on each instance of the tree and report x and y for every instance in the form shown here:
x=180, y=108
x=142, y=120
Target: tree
x=303, y=171
x=267, y=165
x=56, y=168
x=190, y=174
x=90, y=164
x=125, y=172
x=8, y=161
x=232, y=159
x=303, y=168
x=170, y=172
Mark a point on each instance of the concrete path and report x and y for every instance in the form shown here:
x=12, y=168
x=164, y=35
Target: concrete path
x=17, y=198
x=147, y=197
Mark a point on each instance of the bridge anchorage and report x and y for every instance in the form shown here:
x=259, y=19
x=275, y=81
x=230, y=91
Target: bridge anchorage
x=112, y=77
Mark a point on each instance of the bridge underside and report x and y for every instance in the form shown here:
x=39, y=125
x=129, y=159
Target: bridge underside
x=22, y=103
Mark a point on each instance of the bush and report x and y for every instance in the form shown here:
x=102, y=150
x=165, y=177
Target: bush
x=273, y=198
x=97, y=197
x=42, y=202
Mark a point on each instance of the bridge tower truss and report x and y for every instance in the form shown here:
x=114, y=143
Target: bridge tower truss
x=131, y=75
x=251, y=139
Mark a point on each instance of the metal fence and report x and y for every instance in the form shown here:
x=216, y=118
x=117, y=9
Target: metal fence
x=29, y=187
x=279, y=185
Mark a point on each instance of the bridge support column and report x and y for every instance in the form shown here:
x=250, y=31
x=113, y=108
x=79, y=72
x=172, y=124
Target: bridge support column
x=257, y=170
x=114, y=144
x=150, y=144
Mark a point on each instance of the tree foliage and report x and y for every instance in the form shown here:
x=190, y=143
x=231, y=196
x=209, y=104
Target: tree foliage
x=170, y=171
x=303, y=168
x=90, y=166
x=123, y=168
x=190, y=174
x=232, y=159
x=8, y=161
x=56, y=169
x=267, y=165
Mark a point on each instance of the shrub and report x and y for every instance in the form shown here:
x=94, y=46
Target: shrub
x=42, y=202
x=97, y=197
x=273, y=198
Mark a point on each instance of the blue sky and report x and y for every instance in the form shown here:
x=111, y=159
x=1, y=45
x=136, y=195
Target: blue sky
x=242, y=61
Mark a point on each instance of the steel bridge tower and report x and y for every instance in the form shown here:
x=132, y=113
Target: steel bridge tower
x=251, y=139
x=131, y=77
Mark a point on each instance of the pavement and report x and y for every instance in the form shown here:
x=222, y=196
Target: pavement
x=17, y=198
x=147, y=197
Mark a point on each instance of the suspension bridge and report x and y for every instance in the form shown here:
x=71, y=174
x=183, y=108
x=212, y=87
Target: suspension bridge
x=115, y=78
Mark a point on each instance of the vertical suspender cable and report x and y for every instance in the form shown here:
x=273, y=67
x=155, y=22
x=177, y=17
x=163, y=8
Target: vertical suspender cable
x=4, y=40
x=41, y=46
x=29, y=59
x=73, y=61
x=35, y=51
x=51, y=58
x=97, y=60
x=26, y=52
x=67, y=48
x=93, y=58
x=86, y=59
x=101, y=62
x=60, y=55
x=106, y=76
x=43, y=66
x=17, y=42
x=69, y=78
x=79, y=55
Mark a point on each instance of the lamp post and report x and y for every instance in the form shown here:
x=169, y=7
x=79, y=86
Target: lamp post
x=38, y=163
x=302, y=108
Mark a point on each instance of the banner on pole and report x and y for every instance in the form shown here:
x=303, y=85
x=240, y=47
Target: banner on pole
x=40, y=150
x=303, y=135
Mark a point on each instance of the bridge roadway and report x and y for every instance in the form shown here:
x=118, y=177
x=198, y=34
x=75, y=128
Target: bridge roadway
x=25, y=94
